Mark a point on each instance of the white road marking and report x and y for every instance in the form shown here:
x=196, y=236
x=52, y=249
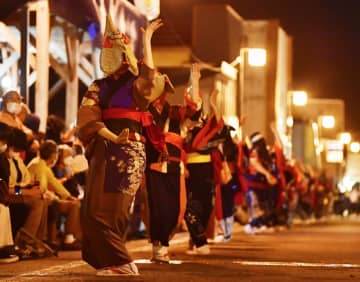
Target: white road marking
x=147, y=261
x=47, y=271
x=298, y=264
x=78, y=263
x=31, y=275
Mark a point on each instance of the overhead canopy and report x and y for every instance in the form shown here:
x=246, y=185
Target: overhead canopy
x=90, y=15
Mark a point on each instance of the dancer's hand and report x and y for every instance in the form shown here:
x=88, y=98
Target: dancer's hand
x=151, y=28
x=123, y=137
x=213, y=98
x=146, y=37
x=195, y=72
x=271, y=179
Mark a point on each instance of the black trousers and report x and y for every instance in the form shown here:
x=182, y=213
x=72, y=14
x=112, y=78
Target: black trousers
x=164, y=204
x=200, y=190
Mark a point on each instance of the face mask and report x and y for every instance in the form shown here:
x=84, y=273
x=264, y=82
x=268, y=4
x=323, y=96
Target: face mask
x=14, y=108
x=68, y=161
x=3, y=148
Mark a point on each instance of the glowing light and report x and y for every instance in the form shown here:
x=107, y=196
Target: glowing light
x=345, y=137
x=355, y=147
x=334, y=151
x=315, y=126
x=6, y=82
x=299, y=98
x=151, y=8
x=289, y=121
x=327, y=121
x=256, y=57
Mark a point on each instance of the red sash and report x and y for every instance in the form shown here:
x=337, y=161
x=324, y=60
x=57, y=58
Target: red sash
x=145, y=118
x=154, y=134
x=209, y=130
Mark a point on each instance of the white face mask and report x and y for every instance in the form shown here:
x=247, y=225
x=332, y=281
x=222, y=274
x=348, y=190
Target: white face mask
x=3, y=148
x=13, y=107
x=68, y=161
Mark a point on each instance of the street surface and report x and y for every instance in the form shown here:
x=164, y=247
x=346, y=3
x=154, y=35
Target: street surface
x=320, y=251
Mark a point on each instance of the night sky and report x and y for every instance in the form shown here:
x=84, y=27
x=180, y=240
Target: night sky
x=326, y=38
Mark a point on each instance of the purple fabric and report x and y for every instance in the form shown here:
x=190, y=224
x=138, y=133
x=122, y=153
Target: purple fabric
x=125, y=166
x=122, y=98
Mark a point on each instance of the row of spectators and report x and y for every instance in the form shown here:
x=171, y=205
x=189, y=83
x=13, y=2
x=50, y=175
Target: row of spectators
x=44, y=173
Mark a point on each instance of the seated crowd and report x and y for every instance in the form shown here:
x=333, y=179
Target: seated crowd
x=40, y=212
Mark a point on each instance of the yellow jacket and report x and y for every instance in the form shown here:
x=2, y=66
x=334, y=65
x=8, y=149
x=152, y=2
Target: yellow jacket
x=40, y=172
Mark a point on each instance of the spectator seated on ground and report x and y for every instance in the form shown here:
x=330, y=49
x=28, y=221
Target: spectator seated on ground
x=63, y=170
x=10, y=109
x=25, y=196
x=61, y=201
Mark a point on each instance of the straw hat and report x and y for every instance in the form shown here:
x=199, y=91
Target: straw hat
x=161, y=84
x=115, y=45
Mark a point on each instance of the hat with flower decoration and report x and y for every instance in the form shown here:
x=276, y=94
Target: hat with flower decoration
x=116, y=50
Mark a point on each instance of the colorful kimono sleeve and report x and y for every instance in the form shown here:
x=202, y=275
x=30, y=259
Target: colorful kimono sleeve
x=89, y=120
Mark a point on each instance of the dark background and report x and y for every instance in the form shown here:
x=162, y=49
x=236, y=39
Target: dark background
x=326, y=40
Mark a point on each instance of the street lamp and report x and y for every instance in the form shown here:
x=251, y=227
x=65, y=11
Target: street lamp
x=256, y=57
x=355, y=147
x=299, y=98
x=345, y=138
x=327, y=121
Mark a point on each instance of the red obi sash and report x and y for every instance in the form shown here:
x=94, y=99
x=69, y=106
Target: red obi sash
x=155, y=136
x=145, y=118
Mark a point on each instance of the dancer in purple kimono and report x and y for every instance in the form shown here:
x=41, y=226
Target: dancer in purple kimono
x=111, y=121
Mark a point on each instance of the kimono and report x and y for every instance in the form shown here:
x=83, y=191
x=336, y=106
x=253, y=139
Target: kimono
x=166, y=185
x=201, y=143
x=115, y=170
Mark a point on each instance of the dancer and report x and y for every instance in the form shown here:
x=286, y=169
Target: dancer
x=200, y=185
x=165, y=181
x=111, y=120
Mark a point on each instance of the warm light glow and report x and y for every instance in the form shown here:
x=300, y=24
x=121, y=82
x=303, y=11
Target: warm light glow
x=316, y=142
x=345, y=137
x=299, y=98
x=6, y=82
x=151, y=8
x=355, y=147
x=334, y=151
x=315, y=126
x=290, y=121
x=228, y=70
x=256, y=57
x=327, y=121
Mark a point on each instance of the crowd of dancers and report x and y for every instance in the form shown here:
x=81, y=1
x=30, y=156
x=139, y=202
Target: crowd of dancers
x=196, y=172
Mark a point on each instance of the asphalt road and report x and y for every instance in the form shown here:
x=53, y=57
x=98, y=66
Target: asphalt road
x=321, y=251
